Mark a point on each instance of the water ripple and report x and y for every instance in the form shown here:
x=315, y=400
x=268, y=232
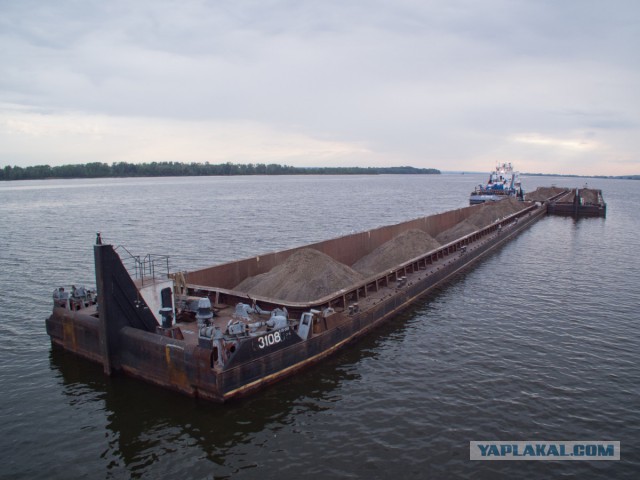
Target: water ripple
x=537, y=341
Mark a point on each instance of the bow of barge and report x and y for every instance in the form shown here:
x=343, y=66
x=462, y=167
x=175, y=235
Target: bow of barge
x=194, y=333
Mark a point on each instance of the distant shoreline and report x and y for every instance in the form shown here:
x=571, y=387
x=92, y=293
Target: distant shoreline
x=613, y=177
x=176, y=169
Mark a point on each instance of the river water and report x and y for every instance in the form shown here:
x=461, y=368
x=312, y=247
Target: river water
x=538, y=341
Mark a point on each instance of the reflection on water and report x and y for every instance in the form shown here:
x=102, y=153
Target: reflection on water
x=146, y=421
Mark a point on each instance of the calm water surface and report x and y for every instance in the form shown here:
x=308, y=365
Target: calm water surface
x=539, y=341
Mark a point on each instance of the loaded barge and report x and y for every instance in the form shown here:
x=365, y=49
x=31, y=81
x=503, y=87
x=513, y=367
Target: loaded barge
x=202, y=333
x=580, y=202
x=575, y=202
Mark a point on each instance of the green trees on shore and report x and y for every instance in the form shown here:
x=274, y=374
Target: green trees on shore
x=176, y=169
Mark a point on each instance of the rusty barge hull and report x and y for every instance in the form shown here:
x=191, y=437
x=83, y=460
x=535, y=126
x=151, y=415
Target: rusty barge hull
x=123, y=337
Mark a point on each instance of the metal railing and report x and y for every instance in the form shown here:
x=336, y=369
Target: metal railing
x=149, y=267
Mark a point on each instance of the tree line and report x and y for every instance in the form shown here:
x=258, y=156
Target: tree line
x=177, y=169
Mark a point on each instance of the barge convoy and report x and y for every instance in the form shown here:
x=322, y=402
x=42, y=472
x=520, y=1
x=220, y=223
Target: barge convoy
x=201, y=334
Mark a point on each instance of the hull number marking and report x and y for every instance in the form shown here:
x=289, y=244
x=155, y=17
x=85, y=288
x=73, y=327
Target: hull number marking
x=269, y=339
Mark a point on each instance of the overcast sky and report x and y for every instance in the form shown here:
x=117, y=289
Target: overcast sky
x=552, y=86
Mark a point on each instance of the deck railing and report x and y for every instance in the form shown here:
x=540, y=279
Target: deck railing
x=146, y=268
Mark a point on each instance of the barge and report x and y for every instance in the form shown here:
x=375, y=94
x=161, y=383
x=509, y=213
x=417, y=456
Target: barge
x=580, y=202
x=206, y=334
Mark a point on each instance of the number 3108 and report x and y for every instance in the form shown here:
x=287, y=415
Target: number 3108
x=269, y=339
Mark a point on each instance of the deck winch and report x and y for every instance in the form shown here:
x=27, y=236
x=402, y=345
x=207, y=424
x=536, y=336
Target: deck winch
x=204, y=314
x=77, y=298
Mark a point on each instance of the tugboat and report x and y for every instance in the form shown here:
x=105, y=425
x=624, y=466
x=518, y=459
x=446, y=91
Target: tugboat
x=503, y=182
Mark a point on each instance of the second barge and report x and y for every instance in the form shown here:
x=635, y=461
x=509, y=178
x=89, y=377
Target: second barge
x=580, y=202
x=197, y=333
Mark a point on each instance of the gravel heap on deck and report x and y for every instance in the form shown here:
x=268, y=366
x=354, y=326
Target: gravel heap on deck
x=492, y=211
x=589, y=196
x=399, y=249
x=543, y=193
x=485, y=215
x=306, y=275
x=460, y=229
x=309, y=274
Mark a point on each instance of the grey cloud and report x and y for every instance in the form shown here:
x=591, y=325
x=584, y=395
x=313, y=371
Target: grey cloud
x=418, y=79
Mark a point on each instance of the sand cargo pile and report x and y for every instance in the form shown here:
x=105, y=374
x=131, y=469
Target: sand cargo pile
x=306, y=274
